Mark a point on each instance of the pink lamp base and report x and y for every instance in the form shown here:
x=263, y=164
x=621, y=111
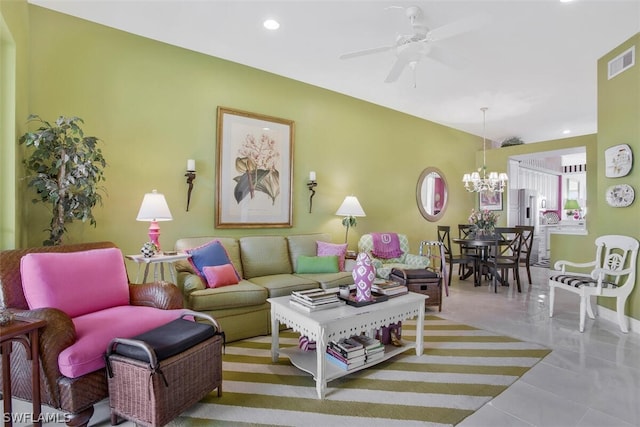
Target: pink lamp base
x=154, y=233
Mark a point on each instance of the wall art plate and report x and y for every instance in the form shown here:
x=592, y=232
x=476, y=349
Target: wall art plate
x=620, y=196
x=618, y=160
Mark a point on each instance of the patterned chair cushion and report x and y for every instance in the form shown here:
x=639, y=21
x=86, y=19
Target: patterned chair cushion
x=384, y=266
x=578, y=281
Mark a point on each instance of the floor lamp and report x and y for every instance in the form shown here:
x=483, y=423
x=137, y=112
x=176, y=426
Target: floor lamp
x=350, y=209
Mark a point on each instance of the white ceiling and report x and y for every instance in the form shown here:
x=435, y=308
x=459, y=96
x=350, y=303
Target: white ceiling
x=533, y=63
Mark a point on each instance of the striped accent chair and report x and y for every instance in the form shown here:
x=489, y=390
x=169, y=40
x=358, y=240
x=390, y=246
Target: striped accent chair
x=612, y=275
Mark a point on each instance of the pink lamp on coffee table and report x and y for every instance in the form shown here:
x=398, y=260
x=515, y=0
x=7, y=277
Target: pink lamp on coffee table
x=154, y=208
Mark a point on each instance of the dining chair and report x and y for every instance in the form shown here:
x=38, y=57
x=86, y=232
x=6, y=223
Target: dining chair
x=527, y=247
x=463, y=260
x=613, y=275
x=465, y=231
x=504, y=255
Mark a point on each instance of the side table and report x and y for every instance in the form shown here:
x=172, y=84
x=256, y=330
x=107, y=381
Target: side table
x=26, y=332
x=157, y=261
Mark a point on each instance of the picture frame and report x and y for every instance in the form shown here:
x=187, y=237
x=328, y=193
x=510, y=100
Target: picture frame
x=490, y=200
x=254, y=159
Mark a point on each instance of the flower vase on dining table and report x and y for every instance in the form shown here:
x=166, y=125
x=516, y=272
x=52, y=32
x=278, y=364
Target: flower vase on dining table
x=483, y=233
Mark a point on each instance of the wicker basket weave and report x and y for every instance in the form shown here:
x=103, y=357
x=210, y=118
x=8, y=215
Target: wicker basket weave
x=139, y=394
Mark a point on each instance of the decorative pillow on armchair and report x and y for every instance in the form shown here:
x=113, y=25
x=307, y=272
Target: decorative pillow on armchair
x=325, y=248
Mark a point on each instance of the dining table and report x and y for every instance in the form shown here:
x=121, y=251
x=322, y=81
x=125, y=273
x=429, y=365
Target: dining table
x=482, y=246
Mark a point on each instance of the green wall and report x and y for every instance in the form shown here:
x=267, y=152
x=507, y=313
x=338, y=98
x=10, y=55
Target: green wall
x=14, y=19
x=619, y=123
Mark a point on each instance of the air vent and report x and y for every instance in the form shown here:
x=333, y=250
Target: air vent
x=622, y=62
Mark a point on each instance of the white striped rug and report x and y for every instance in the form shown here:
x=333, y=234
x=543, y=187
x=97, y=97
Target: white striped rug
x=462, y=368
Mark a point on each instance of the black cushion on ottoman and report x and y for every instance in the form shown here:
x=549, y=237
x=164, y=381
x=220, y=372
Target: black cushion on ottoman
x=167, y=340
x=414, y=275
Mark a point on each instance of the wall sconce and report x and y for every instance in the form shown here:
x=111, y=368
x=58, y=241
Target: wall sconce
x=191, y=176
x=311, y=184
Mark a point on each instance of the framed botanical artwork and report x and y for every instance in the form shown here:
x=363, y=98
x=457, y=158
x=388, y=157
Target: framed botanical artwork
x=490, y=200
x=254, y=170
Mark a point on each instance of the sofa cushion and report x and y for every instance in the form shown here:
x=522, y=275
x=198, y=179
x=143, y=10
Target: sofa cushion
x=325, y=248
x=304, y=244
x=220, y=275
x=95, y=330
x=75, y=282
x=317, y=264
x=264, y=256
x=329, y=280
x=283, y=284
x=209, y=254
x=243, y=294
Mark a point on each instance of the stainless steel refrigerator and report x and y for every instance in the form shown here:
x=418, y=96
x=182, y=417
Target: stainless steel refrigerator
x=529, y=210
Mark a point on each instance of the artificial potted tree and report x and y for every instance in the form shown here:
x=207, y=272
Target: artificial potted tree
x=65, y=169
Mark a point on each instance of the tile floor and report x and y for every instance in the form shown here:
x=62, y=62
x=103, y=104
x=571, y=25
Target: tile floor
x=590, y=379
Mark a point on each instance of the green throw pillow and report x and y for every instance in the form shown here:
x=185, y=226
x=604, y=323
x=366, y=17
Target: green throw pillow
x=317, y=264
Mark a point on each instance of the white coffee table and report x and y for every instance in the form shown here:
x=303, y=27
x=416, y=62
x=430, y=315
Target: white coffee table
x=330, y=325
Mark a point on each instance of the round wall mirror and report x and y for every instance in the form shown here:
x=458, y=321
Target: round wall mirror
x=431, y=194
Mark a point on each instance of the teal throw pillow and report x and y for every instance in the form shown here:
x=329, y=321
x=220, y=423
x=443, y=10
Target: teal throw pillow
x=317, y=264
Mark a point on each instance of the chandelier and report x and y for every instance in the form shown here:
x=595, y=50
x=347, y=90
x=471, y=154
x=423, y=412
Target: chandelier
x=479, y=181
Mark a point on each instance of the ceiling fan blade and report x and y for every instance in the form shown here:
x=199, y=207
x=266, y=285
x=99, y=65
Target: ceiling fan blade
x=396, y=70
x=443, y=56
x=366, y=52
x=458, y=27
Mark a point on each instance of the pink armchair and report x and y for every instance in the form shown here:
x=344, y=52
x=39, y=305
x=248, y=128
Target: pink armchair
x=83, y=293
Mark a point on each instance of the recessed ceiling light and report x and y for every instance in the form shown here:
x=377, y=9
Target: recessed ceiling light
x=271, y=24
x=566, y=1
x=566, y=131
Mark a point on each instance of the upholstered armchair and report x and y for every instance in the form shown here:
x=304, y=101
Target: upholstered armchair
x=96, y=304
x=383, y=266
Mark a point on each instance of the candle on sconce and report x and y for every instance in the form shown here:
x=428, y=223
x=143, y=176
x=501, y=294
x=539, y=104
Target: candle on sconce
x=312, y=176
x=191, y=165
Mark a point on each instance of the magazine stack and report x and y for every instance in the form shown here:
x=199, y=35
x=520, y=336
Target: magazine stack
x=346, y=353
x=389, y=288
x=314, y=299
x=373, y=348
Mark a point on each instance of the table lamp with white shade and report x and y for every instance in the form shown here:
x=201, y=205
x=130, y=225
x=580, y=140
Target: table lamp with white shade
x=154, y=208
x=350, y=209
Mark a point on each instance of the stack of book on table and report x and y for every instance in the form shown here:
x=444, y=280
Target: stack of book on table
x=389, y=288
x=346, y=353
x=314, y=299
x=373, y=348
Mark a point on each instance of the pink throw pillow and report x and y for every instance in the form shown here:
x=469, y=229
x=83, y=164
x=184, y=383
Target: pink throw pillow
x=325, y=248
x=220, y=275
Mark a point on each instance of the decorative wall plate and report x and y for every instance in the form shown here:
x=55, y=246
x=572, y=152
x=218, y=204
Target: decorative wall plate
x=618, y=160
x=620, y=196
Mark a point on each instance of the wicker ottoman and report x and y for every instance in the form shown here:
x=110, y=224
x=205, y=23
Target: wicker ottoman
x=157, y=375
x=421, y=281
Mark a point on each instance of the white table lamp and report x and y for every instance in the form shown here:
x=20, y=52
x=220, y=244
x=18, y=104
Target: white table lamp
x=154, y=208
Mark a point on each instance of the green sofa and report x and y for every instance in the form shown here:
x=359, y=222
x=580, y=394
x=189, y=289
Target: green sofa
x=267, y=265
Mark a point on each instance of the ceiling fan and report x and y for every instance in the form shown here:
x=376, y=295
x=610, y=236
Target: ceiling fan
x=411, y=48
